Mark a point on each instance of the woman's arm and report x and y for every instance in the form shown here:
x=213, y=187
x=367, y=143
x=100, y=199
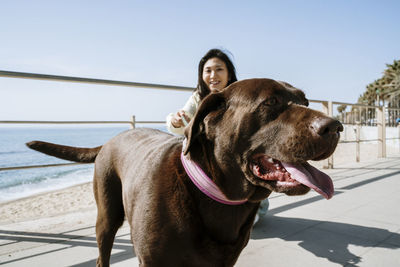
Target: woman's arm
x=187, y=112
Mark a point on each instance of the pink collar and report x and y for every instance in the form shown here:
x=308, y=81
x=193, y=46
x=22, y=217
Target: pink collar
x=205, y=184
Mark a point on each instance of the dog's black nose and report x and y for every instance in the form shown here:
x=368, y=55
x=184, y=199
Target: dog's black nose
x=324, y=126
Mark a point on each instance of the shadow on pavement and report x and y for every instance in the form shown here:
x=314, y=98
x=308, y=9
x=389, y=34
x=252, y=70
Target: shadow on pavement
x=329, y=240
x=69, y=241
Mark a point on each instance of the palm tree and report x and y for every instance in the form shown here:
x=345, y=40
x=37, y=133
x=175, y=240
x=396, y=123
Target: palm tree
x=342, y=111
x=384, y=88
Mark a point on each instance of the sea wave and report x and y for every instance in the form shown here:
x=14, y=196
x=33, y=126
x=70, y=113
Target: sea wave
x=42, y=184
x=13, y=152
x=39, y=176
x=16, y=184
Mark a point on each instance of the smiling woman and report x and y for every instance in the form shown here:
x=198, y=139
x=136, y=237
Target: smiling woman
x=215, y=74
x=216, y=71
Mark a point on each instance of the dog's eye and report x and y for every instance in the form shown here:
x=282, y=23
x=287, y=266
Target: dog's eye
x=272, y=101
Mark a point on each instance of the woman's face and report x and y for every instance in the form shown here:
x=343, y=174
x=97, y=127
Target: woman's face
x=215, y=74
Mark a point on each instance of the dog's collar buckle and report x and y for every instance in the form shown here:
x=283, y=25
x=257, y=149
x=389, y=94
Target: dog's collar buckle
x=205, y=184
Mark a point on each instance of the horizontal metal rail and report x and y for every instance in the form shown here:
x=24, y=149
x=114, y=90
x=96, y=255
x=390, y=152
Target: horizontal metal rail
x=67, y=122
x=361, y=141
x=366, y=141
x=342, y=103
x=39, y=166
x=64, y=122
x=59, y=78
x=354, y=104
x=81, y=122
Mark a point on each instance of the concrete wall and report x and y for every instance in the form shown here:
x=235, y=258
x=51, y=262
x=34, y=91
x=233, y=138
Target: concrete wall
x=371, y=133
x=345, y=153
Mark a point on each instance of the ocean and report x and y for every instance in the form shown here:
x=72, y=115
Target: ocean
x=15, y=184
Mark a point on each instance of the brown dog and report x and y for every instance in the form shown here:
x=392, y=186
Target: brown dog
x=253, y=138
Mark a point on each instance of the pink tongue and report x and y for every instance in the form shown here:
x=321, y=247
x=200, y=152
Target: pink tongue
x=311, y=177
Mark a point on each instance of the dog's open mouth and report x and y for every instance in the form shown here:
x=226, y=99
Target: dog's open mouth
x=290, y=175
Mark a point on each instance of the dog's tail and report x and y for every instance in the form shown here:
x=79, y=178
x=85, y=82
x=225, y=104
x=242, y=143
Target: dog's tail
x=77, y=154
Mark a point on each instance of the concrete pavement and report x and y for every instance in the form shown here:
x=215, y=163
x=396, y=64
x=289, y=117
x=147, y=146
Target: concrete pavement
x=359, y=226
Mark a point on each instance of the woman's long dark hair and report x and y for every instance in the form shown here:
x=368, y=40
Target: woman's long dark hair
x=202, y=87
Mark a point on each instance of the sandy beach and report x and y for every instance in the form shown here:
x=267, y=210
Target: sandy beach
x=48, y=211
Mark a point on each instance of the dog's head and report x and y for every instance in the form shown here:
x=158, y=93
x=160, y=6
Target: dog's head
x=257, y=135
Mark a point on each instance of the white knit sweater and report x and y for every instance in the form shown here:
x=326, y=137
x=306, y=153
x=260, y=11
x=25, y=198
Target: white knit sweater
x=190, y=109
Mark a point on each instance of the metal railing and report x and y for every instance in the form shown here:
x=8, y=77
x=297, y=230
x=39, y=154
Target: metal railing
x=132, y=124
x=59, y=78
x=360, y=115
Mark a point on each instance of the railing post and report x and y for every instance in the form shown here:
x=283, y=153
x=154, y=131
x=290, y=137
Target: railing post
x=398, y=127
x=358, y=130
x=327, y=107
x=384, y=131
x=133, y=122
x=381, y=132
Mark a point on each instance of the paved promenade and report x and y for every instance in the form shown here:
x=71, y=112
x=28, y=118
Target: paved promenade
x=359, y=226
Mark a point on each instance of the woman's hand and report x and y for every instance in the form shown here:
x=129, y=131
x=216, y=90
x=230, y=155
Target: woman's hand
x=180, y=119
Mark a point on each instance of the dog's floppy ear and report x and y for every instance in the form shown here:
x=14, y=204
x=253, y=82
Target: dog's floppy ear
x=210, y=103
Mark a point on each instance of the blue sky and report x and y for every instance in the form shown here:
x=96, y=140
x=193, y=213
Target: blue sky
x=330, y=49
